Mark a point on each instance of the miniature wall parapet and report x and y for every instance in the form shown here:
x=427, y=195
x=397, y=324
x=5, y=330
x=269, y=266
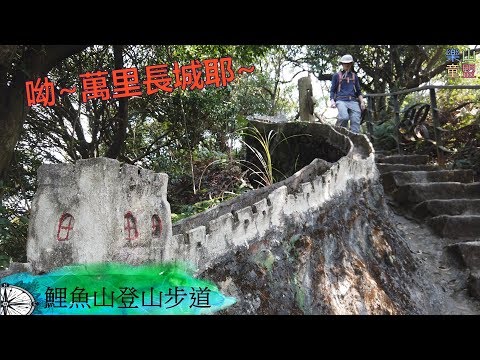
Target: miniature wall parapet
x=201, y=239
x=97, y=210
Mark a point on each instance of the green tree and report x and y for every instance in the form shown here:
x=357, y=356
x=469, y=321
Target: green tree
x=19, y=63
x=162, y=131
x=382, y=68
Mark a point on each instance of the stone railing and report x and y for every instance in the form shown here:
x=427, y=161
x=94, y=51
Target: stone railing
x=203, y=238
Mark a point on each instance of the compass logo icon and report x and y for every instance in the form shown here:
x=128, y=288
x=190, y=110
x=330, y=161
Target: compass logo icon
x=15, y=301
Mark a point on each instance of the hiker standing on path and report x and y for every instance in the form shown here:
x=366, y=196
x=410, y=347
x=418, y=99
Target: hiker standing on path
x=345, y=95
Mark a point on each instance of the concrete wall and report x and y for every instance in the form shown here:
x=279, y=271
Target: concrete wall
x=99, y=200
x=99, y=193
x=203, y=238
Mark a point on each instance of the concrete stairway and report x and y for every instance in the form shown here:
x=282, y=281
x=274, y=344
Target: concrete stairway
x=447, y=200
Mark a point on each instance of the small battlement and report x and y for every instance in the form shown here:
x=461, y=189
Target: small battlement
x=100, y=169
x=203, y=238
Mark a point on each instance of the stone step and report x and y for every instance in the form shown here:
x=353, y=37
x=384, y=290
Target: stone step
x=383, y=168
x=403, y=159
x=468, y=252
x=417, y=192
x=383, y=153
x=393, y=179
x=431, y=208
x=456, y=226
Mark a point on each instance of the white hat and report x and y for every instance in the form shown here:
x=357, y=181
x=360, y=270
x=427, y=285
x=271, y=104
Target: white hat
x=346, y=59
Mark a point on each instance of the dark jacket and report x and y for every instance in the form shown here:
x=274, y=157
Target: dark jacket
x=349, y=90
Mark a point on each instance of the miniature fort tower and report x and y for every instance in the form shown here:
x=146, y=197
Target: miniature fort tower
x=98, y=210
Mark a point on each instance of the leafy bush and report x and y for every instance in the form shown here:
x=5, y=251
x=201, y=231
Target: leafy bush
x=384, y=136
x=13, y=237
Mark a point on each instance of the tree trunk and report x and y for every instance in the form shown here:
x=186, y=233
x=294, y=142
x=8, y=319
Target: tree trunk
x=121, y=119
x=36, y=62
x=12, y=115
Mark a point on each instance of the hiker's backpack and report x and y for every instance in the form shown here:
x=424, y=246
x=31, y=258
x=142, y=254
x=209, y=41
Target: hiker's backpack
x=340, y=78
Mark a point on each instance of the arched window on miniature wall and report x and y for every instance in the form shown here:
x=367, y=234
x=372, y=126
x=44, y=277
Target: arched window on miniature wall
x=130, y=226
x=65, y=226
x=156, y=225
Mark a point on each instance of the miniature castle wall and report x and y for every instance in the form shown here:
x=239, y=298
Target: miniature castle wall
x=98, y=210
x=203, y=238
x=100, y=200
